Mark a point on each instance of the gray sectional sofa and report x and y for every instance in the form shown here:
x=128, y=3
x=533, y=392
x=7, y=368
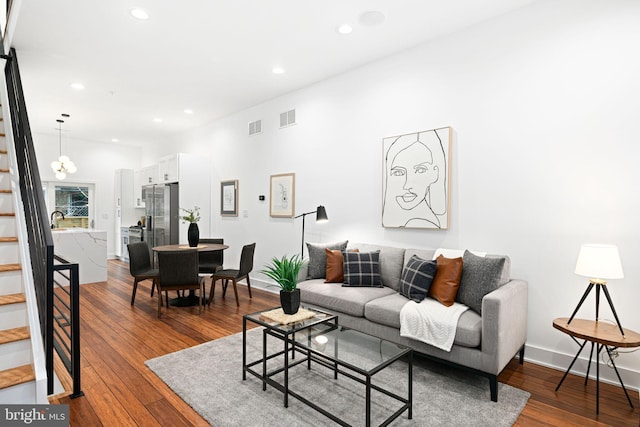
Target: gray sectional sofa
x=483, y=343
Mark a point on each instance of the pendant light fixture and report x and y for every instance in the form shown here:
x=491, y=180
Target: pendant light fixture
x=63, y=165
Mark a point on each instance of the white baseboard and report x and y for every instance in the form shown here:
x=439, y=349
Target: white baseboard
x=561, y=362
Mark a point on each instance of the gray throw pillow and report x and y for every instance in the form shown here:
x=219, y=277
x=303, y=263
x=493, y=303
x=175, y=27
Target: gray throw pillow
x=362, y=269
x=480, y=276
x=417, y=276
x=317, y=268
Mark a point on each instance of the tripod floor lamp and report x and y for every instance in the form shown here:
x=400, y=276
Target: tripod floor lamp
x=321, y=216
x=599, y=263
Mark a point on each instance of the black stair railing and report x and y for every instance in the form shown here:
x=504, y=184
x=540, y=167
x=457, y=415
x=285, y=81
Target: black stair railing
x=56, y=281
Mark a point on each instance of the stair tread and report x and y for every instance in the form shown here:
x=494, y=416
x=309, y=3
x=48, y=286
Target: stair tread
x=15, y=376
x=7, y=213
x=8, y=239
x=15, y=334
x=5, y=191
x=10, y=267
x=12, y=299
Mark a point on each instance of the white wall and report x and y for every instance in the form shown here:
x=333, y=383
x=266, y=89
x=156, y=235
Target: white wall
x=96, y=163
x=544, y=104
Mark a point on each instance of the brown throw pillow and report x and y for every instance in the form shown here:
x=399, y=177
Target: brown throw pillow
x=445, y=285
x=335, y=261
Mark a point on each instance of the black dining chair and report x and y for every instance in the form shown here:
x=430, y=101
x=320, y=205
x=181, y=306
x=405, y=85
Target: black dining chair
x=246, y=266
x=178, y=270
x=140, y=266
x=210, y=262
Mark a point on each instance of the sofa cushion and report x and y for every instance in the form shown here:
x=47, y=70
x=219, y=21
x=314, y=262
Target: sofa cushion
x=445, y=285
x=480, y=275
x=391, y=262
x=505, y=276
x=469, y=330
x=335, y=266
x=386, y=311
x=417, y=276
x=422, y=253
x=336, y=298
x=362, y=269
x=317, y=265
x=455, y=253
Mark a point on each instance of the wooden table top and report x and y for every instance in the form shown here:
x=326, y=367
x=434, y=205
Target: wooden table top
x=598, y=331
x=202, y=247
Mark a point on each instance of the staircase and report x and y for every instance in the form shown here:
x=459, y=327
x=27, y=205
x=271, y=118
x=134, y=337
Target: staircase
x=17, y=377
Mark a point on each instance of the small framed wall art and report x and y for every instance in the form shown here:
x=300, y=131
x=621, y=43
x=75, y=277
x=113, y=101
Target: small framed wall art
x=282, y=195
x=229, y=198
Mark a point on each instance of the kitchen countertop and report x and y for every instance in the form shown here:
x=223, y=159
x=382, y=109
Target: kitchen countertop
x=85, y=246
x=76, y=230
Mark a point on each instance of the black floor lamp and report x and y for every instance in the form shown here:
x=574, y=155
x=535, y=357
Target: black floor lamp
x=321, y=216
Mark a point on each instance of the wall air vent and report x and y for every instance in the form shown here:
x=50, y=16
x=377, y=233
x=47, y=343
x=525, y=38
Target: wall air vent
x=255, y=127
x=288, y=118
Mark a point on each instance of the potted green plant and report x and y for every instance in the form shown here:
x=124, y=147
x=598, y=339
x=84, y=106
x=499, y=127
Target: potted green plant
x=285, y=273
x=192, y=217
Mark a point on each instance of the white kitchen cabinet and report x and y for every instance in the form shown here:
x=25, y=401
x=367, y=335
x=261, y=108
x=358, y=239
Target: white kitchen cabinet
x=138, y=201
x=125, y=214
x=169, y=168
x=150, y=175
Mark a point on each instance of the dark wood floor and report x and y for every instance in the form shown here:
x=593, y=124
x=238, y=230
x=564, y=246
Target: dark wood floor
x=119, y=389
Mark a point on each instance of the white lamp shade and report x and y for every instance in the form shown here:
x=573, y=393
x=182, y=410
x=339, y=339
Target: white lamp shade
x=599, y=262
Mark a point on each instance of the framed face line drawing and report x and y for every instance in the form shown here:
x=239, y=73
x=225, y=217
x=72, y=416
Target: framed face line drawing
x=282, y=195
x=229, y=198
x=416, y=177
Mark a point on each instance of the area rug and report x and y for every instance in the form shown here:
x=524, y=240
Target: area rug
x=209, y=378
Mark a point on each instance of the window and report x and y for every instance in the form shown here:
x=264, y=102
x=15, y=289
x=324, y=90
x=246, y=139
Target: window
x=75, y=201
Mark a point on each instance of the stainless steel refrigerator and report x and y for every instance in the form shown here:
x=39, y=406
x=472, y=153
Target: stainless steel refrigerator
x=162, y=212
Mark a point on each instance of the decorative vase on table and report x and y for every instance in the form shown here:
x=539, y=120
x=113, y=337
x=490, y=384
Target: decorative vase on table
x=192, y=217
x=193, y=235
x=290, y=301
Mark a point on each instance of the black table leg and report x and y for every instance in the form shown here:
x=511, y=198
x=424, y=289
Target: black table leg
x=571, y=366
x=264, y=359
x=244, y=348
x=619, y=377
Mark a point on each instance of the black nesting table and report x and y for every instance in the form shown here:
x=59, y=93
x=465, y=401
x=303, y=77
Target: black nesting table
x=322, y=340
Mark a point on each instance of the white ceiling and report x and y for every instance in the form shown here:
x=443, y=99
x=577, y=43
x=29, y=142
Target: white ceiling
x=212, y=56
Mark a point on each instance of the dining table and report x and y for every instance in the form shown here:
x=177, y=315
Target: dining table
x=191, y=299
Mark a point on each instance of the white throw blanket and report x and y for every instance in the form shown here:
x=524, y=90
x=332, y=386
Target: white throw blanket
x=431, y=322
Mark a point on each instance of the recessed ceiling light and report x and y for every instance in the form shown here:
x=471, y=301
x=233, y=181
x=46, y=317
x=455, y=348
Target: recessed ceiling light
x=278, y=70
x=345, y=29
x=188, y=111
x=139, y=13
x=157, y=120
x=115, y=140
x=77, y=86
x=372, y=18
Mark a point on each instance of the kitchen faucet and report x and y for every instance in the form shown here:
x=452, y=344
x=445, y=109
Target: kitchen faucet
x=53, y=214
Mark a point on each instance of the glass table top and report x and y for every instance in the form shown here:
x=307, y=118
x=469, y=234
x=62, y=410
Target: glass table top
x=318, y=318
x=355, y=349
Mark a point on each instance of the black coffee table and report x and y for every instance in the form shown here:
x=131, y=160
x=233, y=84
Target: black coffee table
x=321, y=340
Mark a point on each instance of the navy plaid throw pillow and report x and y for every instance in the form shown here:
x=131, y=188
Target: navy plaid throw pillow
x=362, y=269
x=416, y=279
